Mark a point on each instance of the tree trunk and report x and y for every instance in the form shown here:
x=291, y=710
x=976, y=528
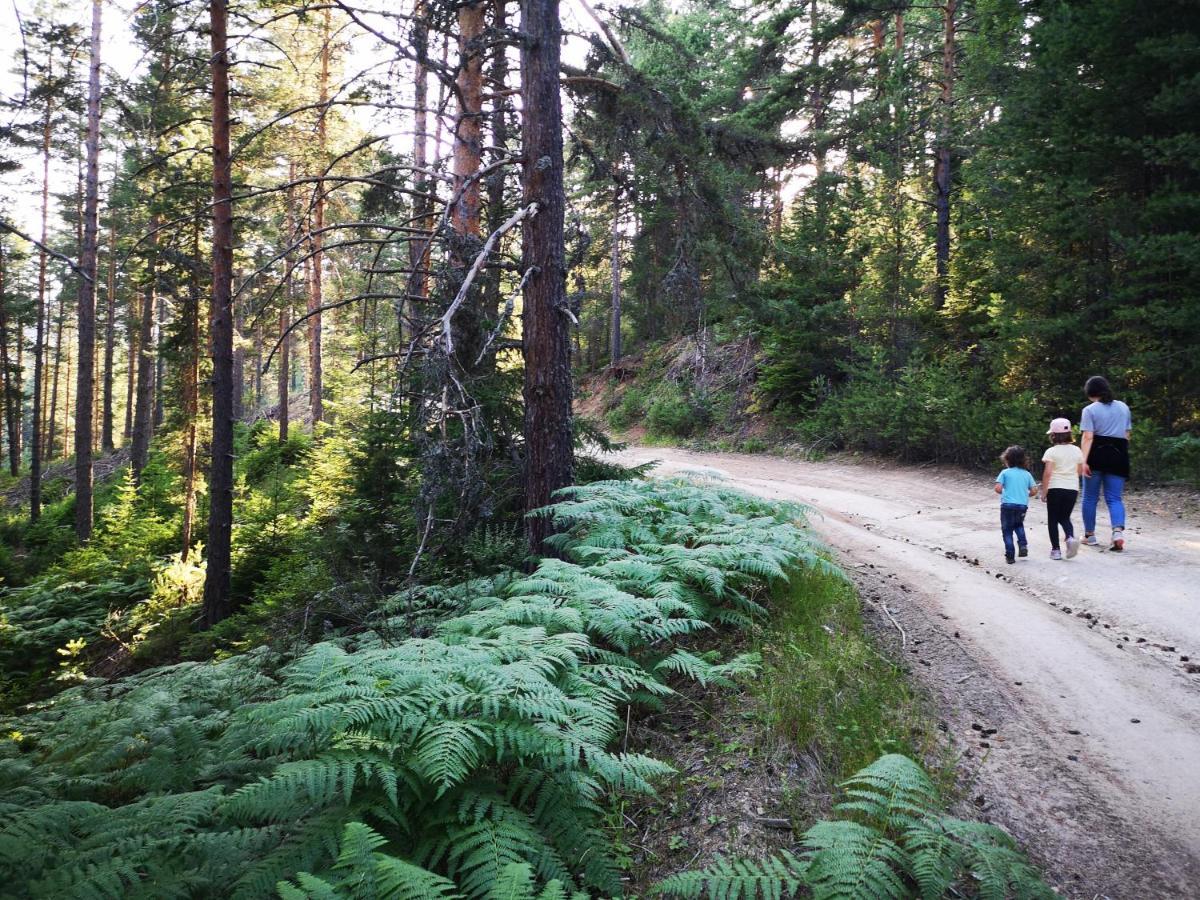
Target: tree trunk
x=110, y=323
x=316, y=396
x=143, y=416
x=132, y=319
x=160, y=359
x=191, y=395
x=85, y=387
x=285, y=367
x=217, y=600
x=12, y=398
x=52, y=418
x=495, y=181
x=239, y=368
x=615, y=268
x=419, y=247
x=549, y=458
x=36, y=447
x=258, y=363
x=468, y=154
x=285, y=313
x=943, y=159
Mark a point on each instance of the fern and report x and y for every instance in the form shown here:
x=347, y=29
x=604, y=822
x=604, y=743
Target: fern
x=464, y=762
x=768, y=879
x=893, y=842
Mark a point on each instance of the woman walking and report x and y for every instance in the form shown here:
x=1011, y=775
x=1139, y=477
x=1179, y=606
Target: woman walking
x=1106, y=424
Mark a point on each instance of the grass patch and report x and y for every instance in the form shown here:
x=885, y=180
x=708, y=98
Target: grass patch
x=827, y=690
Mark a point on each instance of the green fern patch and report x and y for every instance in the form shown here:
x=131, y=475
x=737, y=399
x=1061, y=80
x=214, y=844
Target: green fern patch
x=890, y=840
x=472, y=761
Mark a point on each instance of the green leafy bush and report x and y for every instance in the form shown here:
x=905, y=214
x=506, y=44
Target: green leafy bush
x=672, y=413
x=479, y=752
x=629, y=410
x=891, y=840
x=937, y=409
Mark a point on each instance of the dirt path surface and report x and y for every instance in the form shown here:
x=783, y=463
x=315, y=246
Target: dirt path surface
x=1071, y=689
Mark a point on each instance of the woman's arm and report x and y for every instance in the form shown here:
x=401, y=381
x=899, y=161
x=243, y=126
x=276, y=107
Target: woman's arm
x=1047, y=472
x=1086, y=447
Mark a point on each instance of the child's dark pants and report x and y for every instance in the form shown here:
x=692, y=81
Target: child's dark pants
x=1060, y=503
x=1012, y=521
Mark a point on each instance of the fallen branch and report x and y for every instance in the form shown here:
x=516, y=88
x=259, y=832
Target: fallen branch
x=891, y=618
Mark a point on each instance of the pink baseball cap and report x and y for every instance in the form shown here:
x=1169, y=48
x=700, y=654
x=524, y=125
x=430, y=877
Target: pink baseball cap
x=1060, y=426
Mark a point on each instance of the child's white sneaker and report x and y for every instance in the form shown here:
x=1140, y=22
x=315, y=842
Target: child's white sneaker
x=1072, y=547
x=1056, y=554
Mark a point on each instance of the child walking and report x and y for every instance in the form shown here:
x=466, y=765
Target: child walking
x=1063, y=463
x=1015, y=486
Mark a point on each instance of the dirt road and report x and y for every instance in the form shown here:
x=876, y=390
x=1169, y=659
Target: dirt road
x=1071, y=689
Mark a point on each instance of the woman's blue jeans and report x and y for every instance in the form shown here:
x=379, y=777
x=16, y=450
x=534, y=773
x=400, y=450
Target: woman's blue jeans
x=1112, y=486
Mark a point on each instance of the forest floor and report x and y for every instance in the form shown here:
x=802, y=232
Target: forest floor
x=1070, y=690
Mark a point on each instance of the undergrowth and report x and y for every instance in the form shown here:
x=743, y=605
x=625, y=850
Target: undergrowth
x=478, y=751
x=826, y=689
x=890, y=839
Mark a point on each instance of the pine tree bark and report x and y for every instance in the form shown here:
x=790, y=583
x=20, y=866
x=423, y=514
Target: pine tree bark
x=190, y=395
x=944, y=159
x=217, y=588
x=132, y=320
x=160, y=359
x=615, y=269
x=316, y=393
x=143, y=416
x=52, y=417
x=468, y=154
x=419, y=247
x=498, y=76
x=285, y=312
x=110, y=324
x=12, y=397
x=86, y=328
x=549, y=458
x=36, y=446
x=239, y=368
x=285, y=367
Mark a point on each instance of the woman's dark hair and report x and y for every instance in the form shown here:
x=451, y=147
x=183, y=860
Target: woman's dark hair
x=1014, y=457
x=1098, y=388
x=1064, y=438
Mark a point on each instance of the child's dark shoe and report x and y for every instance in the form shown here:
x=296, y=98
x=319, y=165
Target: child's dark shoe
x=1023, y=551
x=1009, y=559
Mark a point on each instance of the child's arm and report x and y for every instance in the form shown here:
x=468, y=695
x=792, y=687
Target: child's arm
x=1047, y=472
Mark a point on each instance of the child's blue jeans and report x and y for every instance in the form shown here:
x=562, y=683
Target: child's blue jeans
x=1112, y=486
x=1012, y=521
